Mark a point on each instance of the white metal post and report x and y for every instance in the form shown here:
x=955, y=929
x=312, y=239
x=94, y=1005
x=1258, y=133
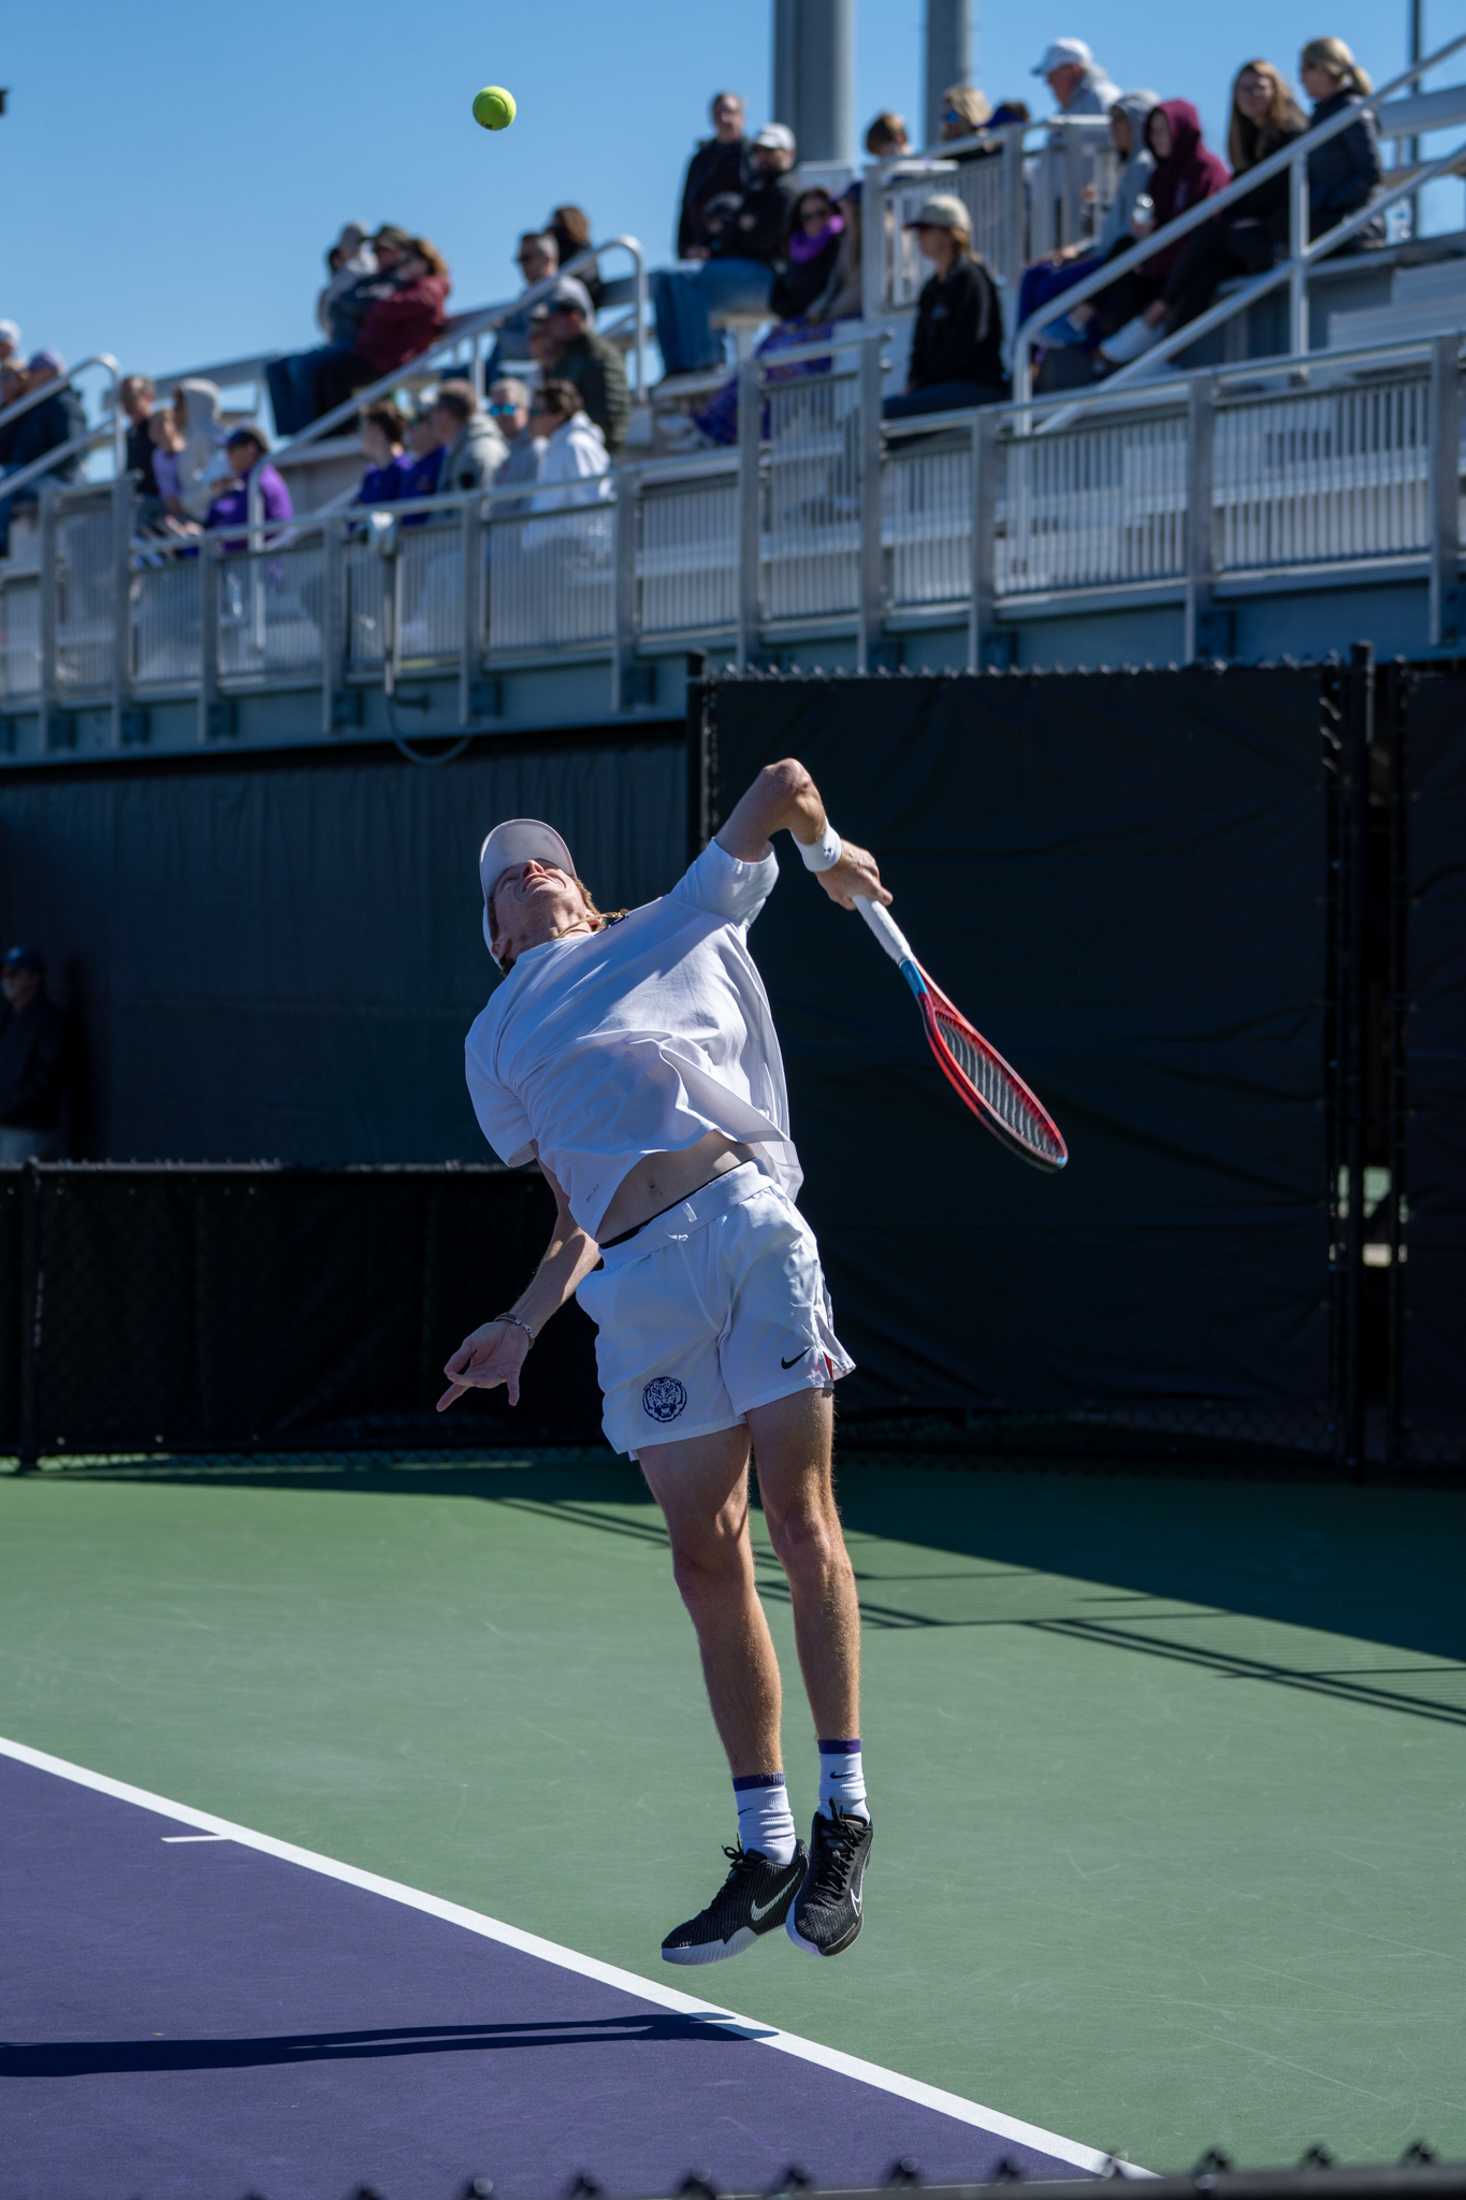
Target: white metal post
x=750, y=492
x=1446, y=595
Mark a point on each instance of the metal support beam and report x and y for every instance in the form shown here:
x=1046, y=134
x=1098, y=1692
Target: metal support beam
x=948, y=59
x=1447, y=607
x=750, y=509
x=1203, y=636
x=872, y=553
x=814, y=76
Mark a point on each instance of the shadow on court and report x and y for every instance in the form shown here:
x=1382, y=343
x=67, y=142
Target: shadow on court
x=1101, y=1558
x=87, y=2058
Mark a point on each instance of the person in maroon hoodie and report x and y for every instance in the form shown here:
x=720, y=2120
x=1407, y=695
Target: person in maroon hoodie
x=1132, y=311
x=405, y=314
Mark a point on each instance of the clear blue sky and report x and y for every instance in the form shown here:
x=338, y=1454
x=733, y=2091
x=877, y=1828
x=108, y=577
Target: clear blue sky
x=172, y=174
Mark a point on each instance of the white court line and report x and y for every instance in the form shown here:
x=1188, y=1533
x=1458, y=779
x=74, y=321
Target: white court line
x=175, y=1840
x=570, y=1959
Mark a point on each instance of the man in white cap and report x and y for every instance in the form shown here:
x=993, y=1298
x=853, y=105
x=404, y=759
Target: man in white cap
x=747, y=236
x=1078, y=83
x=634, y=1058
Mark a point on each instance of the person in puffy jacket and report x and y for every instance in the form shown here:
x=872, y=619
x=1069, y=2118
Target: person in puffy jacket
x=473, y=448
x=1345, y=174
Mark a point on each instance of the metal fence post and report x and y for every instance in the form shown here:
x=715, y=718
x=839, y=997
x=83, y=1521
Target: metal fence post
x=872, y=556
x=983, y=609
x=209, y=556
x=750, y=443
x=120, y=569
x=333, y=624
x=27, y=1437
x=625, y=512
x=471, y=540
x=1201, y=419
x=1446, y=606
x=50, y=670
x=1298, y=266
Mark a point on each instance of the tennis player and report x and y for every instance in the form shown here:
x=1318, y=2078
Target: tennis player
x=634, y=1057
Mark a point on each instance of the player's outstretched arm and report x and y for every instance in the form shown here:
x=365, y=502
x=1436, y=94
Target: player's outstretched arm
x=785, y=798
x=496, y=1352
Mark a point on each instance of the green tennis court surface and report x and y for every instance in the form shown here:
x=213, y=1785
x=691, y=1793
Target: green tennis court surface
x=1170, y=1775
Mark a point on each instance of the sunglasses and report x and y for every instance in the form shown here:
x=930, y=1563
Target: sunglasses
x=502, y=412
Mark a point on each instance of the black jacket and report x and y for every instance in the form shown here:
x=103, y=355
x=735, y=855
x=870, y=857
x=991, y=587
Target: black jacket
x=959, y=330
x=801, y=282
x=1344, y=174
x=760, y=228
x=46, y=427
x=714, y=170
x=595, y=367
x=140, y=448
x=32, y=1065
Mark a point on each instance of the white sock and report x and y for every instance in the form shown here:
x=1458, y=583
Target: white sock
x=765, y=1821
x=842, y=1778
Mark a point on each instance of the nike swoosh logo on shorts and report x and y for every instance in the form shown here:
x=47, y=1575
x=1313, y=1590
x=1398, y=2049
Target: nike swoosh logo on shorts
x=797, y=1357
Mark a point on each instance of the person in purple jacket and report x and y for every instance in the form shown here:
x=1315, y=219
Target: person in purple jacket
x=248, y=453
x=390, y=467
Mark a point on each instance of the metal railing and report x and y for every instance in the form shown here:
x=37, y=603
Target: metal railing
x=112, y=431
x=1303, y=254
x=827, y=519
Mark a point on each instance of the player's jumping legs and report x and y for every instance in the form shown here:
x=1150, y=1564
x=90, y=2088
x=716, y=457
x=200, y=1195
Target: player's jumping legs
x=702, y=1488
x=792, y=1443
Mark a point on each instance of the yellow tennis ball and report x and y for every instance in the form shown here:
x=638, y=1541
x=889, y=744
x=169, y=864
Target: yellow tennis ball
x=493, y=107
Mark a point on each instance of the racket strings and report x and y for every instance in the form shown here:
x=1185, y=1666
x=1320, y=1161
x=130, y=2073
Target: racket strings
x=998, y=1089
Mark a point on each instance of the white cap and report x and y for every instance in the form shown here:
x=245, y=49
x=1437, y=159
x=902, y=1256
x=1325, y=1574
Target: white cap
x=776, y=137
x=517, y=840
x=1065, y=53
x=10, y=334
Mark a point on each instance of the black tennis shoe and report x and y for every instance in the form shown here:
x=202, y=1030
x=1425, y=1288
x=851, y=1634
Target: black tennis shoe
x=753, y=1899
x=826, y=1915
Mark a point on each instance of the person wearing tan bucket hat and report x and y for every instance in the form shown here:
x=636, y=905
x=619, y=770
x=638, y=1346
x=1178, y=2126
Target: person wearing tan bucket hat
x=957, y=342
x=633, y=1056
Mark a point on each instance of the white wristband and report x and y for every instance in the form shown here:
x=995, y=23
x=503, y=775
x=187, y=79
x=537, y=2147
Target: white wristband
x=822, y=854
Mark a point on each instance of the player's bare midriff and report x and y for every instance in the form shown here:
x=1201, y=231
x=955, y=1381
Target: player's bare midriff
x=660, y=1179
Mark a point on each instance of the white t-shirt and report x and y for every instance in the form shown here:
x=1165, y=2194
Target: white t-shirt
x=638, y=1039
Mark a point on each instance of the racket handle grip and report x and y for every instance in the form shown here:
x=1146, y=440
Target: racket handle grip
x=886, y=929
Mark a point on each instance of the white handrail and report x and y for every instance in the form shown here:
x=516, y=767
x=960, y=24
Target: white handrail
x=117, y=432
x=1291, y=156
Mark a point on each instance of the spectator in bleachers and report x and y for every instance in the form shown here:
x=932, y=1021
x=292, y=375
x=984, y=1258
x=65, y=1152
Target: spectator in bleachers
x=543, y=349
x=509, y=409
x=574, y=450
x=389, y=468
x=587, y=360
x=747, y=235
x=202, y=465
x=248, y=452
x=427, y=455
x=1072, y=263
x=1345, y=174
x=348, y=262
x=537, y=256
x=885, y=138
x=1131, y=313
x=473, y=449
x=840, y=298
x=48, y=426
x=964, y=111
x=171, y=516
x=957, y=343
x=402, y=319
x=136, y=395
x=1265, y=117
x=715, y=171
x=1078, y=82
x=809, y=256
x=33, y=1061
x=570, y=228
x=9, y=344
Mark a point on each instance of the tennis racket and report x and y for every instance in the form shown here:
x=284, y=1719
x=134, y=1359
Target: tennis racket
x=977, y=1073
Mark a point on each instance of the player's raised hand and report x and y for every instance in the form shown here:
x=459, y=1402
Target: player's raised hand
x=492, y=1354
x=854, y=877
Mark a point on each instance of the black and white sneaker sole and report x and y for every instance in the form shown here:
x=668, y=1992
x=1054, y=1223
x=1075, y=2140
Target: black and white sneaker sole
x=836, y=1949
x=762, y=1922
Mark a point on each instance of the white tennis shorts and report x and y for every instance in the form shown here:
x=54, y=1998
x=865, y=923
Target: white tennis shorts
x=715, y=1307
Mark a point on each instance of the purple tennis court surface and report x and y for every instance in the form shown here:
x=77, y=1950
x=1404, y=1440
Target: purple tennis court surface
x=191, y=2019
